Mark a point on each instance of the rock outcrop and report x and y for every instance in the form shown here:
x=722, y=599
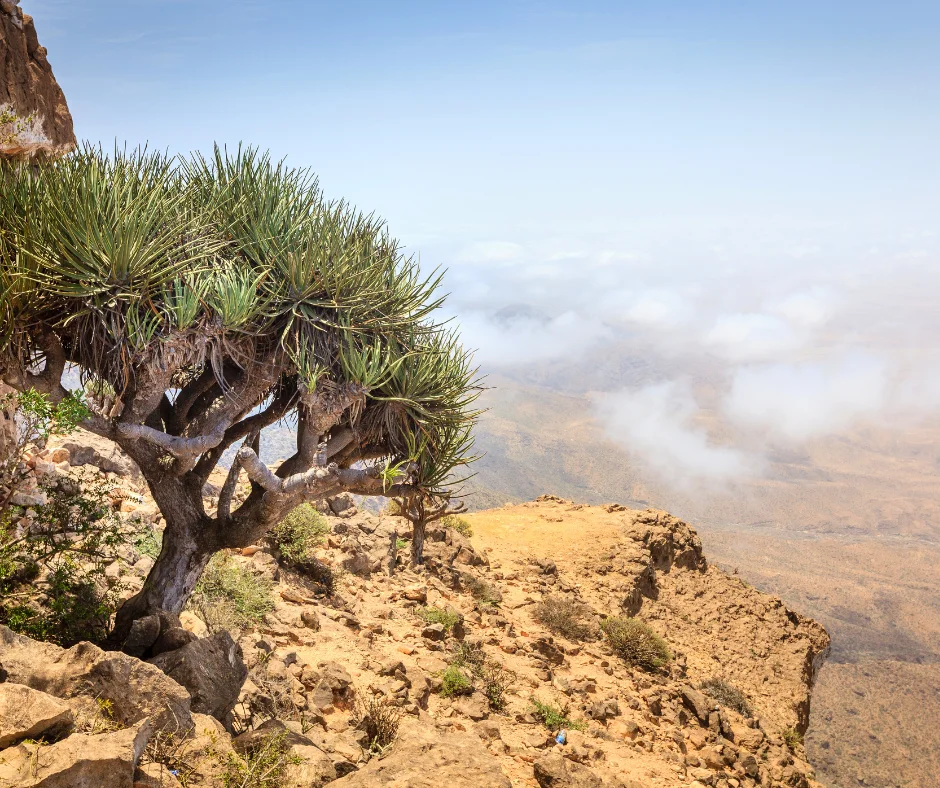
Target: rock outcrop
x=29, y=88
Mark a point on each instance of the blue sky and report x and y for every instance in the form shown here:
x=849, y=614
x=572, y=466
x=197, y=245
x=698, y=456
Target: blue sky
x=523, y=119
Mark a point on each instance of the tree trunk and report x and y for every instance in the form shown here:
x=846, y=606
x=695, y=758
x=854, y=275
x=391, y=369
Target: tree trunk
x=417, y=543
x=187, y=548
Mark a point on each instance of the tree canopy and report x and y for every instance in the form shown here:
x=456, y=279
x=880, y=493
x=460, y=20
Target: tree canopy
x=205, y=298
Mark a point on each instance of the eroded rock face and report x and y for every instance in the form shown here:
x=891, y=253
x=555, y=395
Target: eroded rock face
x=555, y=771
x=26, y=713
x=28, y=86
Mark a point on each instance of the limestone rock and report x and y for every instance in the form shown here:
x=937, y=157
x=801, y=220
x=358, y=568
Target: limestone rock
x=27, y=714
x=423, y=757
x=211, y=669
x=316, y=770
x=85, y=448
x=697, y=703
x=85, y=672
x=107, y=760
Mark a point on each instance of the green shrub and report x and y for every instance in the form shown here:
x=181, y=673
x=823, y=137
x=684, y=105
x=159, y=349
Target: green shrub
x=230, y=596
x=401, y=544
x=553, y=717
x=148, y=541
x=727, y=695
x=459, y=524
x=53, y=584
x=635, y=643
x=265, y=766
x=792, y=737
x=299, y=533
x=436, y=615
x=566, y=617
x=454, y=682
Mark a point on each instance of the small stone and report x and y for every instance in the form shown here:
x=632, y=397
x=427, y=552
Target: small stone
x=310, y=619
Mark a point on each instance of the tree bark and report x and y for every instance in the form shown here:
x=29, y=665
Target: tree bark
x=188, y=545
x=417, y=542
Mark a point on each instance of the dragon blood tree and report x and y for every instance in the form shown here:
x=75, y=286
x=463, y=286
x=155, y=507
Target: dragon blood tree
x=203, y=300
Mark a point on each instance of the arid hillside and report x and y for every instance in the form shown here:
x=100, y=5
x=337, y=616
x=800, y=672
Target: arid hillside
x=513, y=657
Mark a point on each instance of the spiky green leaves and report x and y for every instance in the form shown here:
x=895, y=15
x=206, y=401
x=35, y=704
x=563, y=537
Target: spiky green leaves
x=134, y=258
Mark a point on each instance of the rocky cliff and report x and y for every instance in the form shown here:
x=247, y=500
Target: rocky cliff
x=517, y=610
x=29, y=89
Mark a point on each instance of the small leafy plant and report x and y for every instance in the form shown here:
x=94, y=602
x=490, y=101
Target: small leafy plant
x=792, y=738
x=454, y=682
x=636, y=643
x=553, y=717
x=436, y=615
x=460, y=524
x=264, y=766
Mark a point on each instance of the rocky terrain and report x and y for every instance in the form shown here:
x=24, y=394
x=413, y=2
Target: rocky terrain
x=29, y=88
x=323, y=663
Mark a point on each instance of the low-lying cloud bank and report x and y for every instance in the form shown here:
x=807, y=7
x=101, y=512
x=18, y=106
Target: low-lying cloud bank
x=748, y=364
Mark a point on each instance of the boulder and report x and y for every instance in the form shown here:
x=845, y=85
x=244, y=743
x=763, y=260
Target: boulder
x=434, y=632
x=333, y=690
x=423, y=757
x=251, y=740
x=85, y=448
x=26, y=713
x=310, y=619
x=555, y=771
x=211, y=669
x=85, y=672
x=106, y=760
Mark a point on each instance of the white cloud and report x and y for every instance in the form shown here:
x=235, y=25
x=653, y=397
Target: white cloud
x=809, y=308
x=526, y=339
x=490, y=252
x=797, y=402
x=751, y=336
x=656, y=425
